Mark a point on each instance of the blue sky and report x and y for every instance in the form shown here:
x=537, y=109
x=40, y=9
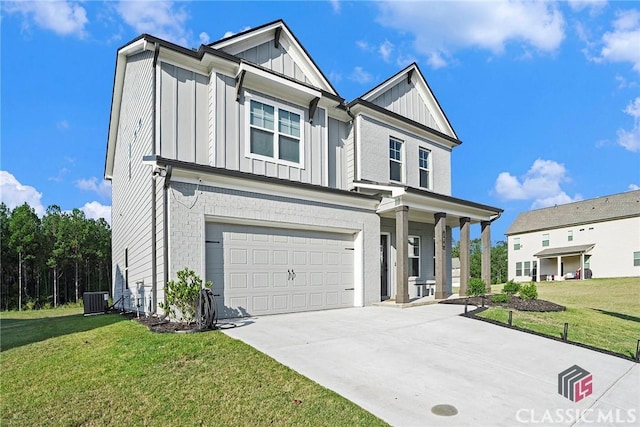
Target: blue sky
x=544, y=95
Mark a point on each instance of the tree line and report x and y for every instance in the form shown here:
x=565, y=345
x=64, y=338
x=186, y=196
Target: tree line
x=498, y=259
x=49, y=261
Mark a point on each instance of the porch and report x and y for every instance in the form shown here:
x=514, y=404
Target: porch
x=556, y=263
x=415, y=245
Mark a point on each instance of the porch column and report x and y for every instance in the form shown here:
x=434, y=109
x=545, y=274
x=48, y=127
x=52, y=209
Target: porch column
x=465, y=254
x=582, y=266
x=402, y=245
x=441, y=255
x=558, y=268
x=486, y=253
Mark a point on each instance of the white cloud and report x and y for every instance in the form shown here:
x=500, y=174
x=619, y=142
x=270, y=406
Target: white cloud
x=385, y=50
x=541, y=183
x=102, y=188
x=623, y=43
x=13, y=193
x=162, y=19
x=363, y=45
x=95, y=210
x=61, y=17
x=60, y=177
x=440, y=28
x=633, y=187
x=630, y=139
x=62, y=124
x=593, y=5
x=335, y=5
x=359, y=75
x=232, y=33
x=204, y=38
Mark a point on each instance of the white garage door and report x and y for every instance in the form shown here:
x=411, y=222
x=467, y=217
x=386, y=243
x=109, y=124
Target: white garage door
x=263, y=270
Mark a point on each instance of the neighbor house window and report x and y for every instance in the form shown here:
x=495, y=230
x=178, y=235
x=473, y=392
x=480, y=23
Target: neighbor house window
x=414, y=256
x=587, y=259
x=527, y=268
x=423, y=164
x=545, y=239
x=274, y=132
x=395, y=160
x=518, y=269
x=516, y=244
x=636, y=259
x=570, y=236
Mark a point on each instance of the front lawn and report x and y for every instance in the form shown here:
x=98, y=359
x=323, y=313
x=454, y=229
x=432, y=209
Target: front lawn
x=60, y=368
x=604, y=313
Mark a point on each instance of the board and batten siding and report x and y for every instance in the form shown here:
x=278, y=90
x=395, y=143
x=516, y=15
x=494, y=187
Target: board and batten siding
x=231, y=132
x=184, y=104
x=131, y=215
x=374, y=156
x=338, y=156
x=274, y=58
x=405, y=100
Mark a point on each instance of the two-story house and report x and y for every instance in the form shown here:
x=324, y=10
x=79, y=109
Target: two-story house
x=554, y=243
x=240, y=161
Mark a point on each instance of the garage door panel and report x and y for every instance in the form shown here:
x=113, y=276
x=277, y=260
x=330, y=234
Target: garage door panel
x=299, y=301
x=265, y=270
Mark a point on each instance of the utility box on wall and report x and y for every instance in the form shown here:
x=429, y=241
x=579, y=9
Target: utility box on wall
x=95, y=302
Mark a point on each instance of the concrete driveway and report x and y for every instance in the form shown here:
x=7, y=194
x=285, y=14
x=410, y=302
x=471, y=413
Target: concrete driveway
x=399, y=364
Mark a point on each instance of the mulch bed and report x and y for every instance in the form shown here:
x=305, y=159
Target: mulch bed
x=157, y=324
x=515, y=303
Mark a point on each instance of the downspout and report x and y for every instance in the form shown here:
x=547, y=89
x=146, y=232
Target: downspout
x=154, y=245
x=165, y=221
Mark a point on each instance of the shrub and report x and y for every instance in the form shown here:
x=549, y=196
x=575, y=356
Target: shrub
x=511, y=287
x=181, y=296
x=528, y=291
x=500, y=298
x=477, y=287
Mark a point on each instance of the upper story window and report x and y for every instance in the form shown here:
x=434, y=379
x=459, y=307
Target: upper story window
x=275, y=132
x=516, y=243
x=545, y=239
x=423, y=164
x=636, y=259
x=570, y=236
x=395, y=160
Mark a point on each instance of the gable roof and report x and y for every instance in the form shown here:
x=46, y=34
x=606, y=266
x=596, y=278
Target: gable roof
x=279, y=32
x=606, y=208
x=413, y=74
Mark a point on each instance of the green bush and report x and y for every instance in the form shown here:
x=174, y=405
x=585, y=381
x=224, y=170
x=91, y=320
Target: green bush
x=511, y=287
x=528, y=291
x=477, y=287
x=500, y=298
x=181, y=296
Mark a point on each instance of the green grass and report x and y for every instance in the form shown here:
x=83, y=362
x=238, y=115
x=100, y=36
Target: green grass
x=60, y=368
x=603, y=313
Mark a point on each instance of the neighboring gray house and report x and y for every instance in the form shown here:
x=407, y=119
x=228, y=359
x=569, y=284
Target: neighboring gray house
x=240, y=161
x=601, y=234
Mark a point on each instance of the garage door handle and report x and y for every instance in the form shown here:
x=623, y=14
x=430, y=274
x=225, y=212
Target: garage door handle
x=349, y=289
x=292, y=274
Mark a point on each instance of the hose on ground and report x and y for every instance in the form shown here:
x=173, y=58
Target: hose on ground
x=206, y=316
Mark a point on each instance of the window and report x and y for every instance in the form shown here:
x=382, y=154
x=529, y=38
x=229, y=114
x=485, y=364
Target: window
x=516, y=244
x=545, y=239
x=414, y=256
x=636, y=259
x=518, y=269
x=274, y=132
x=423, y=164
x=395, y=160
x=527, y=268
x=587, y=258
x=534, y=272
x=570, y=236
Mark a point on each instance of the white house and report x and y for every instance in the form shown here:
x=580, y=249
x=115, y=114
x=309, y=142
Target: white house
x=241, y=161
x=601, y=234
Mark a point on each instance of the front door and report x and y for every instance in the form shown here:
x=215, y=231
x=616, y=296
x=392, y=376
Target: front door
x=384, y=266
